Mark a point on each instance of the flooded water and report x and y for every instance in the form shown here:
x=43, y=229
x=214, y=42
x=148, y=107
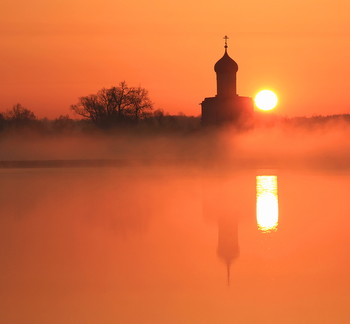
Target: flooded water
x=174, y=245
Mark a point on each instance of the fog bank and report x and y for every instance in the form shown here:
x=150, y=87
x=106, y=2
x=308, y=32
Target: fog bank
x=273, y=146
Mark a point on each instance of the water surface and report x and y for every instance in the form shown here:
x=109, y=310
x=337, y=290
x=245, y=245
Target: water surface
x=173, y=245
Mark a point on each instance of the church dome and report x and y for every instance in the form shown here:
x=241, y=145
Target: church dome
x=226, y=64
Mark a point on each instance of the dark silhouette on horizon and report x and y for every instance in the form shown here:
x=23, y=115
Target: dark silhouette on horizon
x=22, y=122
x=227, y=107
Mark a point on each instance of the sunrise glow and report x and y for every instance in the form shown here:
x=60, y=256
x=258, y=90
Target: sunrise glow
x=266, y=100
x=267, y=203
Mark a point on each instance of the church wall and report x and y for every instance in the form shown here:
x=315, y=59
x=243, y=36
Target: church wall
x=217, y=111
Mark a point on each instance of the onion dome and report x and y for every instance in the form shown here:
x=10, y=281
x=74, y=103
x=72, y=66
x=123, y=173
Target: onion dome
x=226, y=64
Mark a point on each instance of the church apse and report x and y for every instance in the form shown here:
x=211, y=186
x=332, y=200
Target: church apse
x=227, y=107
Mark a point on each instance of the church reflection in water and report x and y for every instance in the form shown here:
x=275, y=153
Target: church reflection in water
x=267, y=203
x=220, y=206
x=228, y=247
x=223, y=203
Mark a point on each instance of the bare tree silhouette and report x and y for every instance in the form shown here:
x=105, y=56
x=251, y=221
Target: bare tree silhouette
x=19, y=114
x=114, y=105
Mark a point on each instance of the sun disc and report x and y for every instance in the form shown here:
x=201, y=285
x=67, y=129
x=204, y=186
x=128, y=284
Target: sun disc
x=266, y=100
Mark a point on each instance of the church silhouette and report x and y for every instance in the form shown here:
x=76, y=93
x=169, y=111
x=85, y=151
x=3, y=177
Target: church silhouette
x=227, y=107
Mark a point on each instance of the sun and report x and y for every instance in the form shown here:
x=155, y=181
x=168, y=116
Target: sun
x=266, y=100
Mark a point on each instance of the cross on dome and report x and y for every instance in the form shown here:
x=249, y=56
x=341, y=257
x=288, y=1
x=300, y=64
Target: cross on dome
x=226, y=38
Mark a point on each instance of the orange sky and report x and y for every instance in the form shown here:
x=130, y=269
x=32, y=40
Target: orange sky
x=53, y=52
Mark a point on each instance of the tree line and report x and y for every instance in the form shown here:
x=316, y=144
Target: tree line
x=121, y=107
x=117, y=107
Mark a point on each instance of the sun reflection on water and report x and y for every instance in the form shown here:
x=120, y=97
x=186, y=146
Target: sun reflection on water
x=267, y=203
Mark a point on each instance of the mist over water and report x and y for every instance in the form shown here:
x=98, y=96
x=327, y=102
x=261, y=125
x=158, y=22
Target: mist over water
x=280, y=145
x=175, y=235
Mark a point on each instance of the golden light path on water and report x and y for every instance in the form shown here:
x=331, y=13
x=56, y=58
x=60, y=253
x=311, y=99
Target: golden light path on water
x=267, y=203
